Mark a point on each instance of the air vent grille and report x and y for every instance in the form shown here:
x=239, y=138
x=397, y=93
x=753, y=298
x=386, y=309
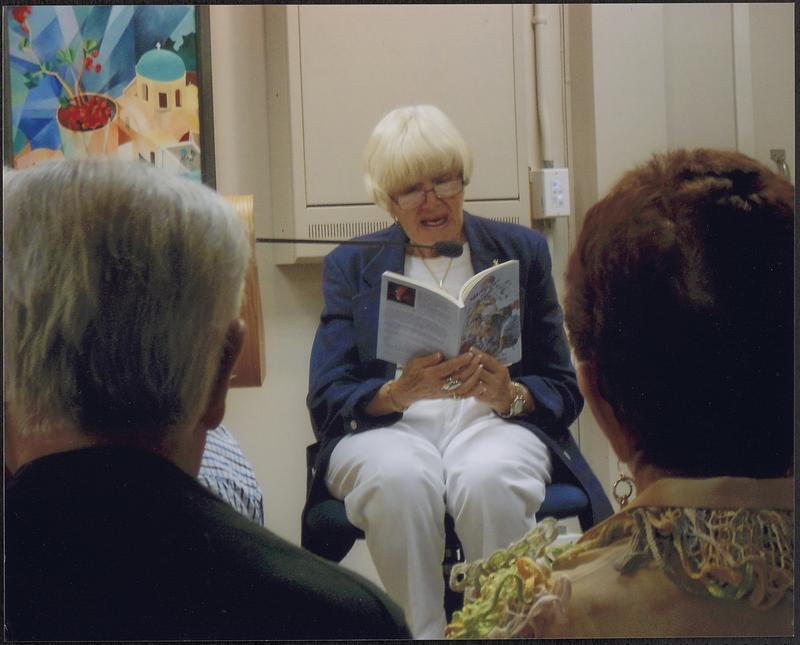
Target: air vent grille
x=508, y=220
x=348, y=230
x=343, y=230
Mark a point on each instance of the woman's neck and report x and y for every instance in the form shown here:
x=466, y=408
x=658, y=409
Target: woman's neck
x=645, y=474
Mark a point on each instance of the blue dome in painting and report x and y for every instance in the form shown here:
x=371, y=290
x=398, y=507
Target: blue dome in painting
x=161, y=65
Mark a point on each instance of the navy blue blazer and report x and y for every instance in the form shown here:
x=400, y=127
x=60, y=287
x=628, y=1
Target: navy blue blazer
x=344, y=373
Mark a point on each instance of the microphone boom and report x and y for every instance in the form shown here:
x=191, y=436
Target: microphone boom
x=447, y=248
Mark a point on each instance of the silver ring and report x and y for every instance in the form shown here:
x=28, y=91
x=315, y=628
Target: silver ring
x=450, y=383
x=456, y=396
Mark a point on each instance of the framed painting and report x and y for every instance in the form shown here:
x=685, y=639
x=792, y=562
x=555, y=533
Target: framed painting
x=132, y=81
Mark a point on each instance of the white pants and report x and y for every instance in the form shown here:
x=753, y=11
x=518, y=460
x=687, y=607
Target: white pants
x=397, y=482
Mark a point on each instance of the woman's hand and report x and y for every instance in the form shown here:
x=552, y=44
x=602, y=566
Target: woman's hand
x=422, y=378
x=425, y=376
x=473, y=373
x=488, y=380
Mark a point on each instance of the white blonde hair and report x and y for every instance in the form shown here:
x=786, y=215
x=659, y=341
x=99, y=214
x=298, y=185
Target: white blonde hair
x=120, y=285
x=410, y=144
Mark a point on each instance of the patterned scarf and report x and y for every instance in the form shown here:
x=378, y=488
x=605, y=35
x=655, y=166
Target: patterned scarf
x=728, y=554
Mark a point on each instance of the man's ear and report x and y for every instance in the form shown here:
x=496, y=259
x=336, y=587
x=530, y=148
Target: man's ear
x=614, y=431
x=234, y=341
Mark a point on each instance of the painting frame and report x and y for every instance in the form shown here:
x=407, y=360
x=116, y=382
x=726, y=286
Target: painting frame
x=203, y=80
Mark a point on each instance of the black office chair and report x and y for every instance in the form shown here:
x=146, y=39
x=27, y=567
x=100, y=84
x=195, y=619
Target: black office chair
x=328, y=533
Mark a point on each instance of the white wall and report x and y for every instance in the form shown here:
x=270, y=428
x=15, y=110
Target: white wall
x=618, y=78
x=772, y=34
x=270, y=422
x=629, y=87
x=699, y=78
x=650, y=77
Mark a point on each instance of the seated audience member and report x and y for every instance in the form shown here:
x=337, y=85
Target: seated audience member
x=679, y=306
x=121, y=299
x=225, y=472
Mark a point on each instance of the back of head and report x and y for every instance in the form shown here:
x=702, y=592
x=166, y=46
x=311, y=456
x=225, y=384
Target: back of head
x=120, y=284
x=409, y=144
x=680, y=291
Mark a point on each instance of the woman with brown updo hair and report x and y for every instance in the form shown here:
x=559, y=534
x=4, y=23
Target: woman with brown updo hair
x=679, y=308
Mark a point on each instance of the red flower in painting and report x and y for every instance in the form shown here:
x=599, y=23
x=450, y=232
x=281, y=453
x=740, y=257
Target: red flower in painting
x=86, y=112
x=20, y=14
x=64, y=63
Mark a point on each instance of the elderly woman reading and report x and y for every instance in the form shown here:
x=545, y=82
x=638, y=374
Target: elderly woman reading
x=403, y=445
x=679, y=307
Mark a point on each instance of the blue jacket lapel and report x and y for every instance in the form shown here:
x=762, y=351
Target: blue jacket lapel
x=366, y=303
x=388, y=258
x=482, y=246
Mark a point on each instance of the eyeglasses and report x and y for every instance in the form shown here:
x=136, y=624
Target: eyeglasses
x=443, y=189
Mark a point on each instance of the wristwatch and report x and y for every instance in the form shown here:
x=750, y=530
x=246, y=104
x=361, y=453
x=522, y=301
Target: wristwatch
x=517, y=403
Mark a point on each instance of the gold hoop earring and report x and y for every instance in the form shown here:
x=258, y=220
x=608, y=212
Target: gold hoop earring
x=623, y=488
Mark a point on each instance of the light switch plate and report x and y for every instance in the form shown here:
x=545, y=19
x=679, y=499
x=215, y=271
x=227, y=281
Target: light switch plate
x=550, y=192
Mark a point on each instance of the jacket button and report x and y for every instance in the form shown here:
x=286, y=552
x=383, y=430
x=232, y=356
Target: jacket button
x=354, y=424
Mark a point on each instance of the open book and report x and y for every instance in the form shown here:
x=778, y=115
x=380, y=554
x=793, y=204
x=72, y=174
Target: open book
x=416, y=319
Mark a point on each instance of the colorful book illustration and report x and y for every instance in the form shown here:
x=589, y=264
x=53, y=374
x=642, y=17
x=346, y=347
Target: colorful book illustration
x=416, y=319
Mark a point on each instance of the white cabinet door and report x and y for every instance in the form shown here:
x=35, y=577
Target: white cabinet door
x=344, y=66
x=764, y=50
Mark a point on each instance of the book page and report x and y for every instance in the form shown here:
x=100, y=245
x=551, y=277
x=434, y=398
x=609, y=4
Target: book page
x=492, y=313
x=415, y=320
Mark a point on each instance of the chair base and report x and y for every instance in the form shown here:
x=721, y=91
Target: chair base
x=453, y=554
